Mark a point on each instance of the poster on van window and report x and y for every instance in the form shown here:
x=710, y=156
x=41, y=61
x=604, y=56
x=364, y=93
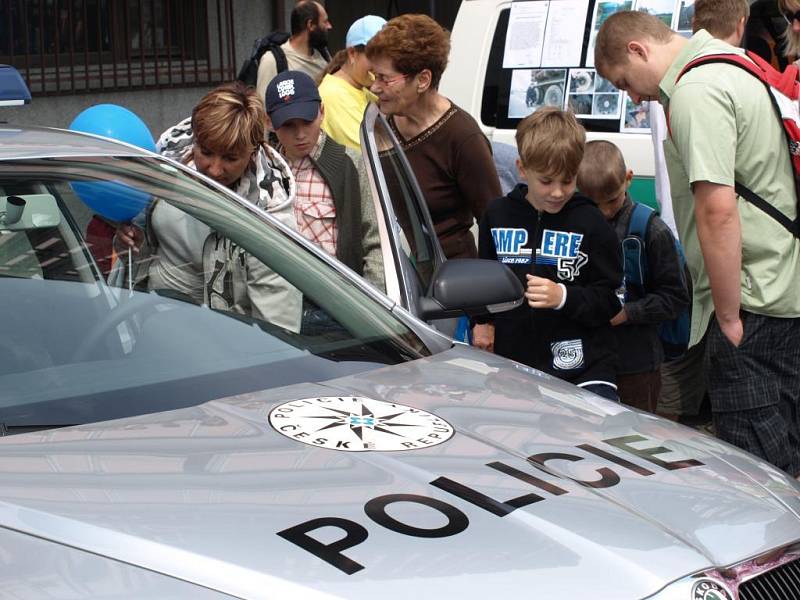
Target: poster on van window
x=545, y=33
x=635, y=117
x=602, y=10
x=531, y=89
x=592, y=97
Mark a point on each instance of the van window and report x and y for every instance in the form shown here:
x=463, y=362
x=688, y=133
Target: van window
x=497, y=84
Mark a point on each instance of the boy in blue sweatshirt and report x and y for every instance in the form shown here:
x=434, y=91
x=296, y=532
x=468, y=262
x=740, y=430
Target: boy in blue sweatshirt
x=566, y=255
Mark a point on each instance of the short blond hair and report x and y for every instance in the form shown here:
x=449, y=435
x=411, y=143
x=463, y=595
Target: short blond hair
x=791, y=39
x=602, y=173
x=551, y=141
x=229, y=118
x=611, y=44
x=719, y=17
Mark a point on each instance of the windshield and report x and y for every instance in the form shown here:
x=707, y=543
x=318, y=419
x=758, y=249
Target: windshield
x=210, y=302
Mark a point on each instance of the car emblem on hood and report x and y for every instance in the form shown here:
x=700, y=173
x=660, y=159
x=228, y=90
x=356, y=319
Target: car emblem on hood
x=354, y=424
x=709, y=589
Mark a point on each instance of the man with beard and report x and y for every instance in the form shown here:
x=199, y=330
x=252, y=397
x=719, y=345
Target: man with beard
x=307, y=48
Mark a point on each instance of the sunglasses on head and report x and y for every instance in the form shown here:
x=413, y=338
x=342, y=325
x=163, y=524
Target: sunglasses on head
x=791, y=16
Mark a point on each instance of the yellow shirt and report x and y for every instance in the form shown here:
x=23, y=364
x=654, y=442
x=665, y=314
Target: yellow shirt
x=344, y=109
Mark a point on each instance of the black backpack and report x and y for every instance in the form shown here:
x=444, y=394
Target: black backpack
x=248, y=74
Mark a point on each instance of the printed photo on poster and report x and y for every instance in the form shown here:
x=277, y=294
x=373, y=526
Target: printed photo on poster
x=635, y=117
x=533, y=88
x=591, y=96
x=682, y=21
x=602, y=10
x=662, y=9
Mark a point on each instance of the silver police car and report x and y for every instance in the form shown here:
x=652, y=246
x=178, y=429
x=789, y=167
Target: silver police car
x=155, y=447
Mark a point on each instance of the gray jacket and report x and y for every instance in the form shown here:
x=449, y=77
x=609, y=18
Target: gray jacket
x=234, y=280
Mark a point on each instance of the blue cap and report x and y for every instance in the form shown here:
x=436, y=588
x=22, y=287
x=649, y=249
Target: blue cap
x=292, y=95
x=362, y=30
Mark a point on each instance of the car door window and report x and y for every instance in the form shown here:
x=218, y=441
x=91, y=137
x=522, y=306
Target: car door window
x=99, y=332
x=404, y=208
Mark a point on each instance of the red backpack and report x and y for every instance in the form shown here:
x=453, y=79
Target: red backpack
x=784, y=92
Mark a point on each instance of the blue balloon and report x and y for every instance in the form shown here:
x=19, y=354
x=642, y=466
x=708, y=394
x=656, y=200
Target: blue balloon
x=114, y=200
x=115, y=122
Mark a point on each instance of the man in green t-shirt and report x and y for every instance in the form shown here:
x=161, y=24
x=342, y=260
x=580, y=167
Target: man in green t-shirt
x=745, y=266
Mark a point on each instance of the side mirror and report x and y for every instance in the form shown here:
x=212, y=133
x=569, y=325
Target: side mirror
x=31, y=211
x=471, y=286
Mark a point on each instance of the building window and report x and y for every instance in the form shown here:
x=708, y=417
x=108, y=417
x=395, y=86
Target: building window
x=76, y=46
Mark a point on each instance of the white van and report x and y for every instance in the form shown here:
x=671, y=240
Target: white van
x=499, y=97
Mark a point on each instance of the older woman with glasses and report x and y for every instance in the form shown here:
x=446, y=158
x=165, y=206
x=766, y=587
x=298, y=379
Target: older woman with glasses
x=223, y=140
x=448, y=152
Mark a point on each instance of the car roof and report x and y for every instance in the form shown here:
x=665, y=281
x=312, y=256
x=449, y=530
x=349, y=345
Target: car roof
x=37, y=142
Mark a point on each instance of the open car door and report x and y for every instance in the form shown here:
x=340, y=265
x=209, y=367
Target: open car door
x=411, y=250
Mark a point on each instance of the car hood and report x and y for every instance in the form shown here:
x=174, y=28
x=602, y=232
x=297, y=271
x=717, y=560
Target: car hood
x=539, y=490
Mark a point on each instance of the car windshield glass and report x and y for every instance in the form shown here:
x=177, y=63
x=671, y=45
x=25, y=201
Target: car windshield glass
x=213, y=300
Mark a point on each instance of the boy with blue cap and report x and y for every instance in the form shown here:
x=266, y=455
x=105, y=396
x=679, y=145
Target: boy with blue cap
x=345, y=86
x=333, y=205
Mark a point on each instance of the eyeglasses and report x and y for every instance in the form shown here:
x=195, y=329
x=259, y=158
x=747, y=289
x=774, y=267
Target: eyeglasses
x=791, y=16
x=383, y=80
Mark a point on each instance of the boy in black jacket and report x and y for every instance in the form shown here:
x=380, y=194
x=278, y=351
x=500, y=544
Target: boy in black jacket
x=564, y=252
x=604, y=177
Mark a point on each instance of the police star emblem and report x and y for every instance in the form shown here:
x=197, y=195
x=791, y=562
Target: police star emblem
x=356, y=424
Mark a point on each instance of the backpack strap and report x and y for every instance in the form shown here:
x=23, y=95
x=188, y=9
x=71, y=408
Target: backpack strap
x=785, y=82
x=640, y=219
x=281, y=64
x=634, y=248
x=759, y=202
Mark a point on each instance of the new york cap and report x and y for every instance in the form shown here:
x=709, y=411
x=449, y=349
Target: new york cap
x=362, y=30
x=292, y=95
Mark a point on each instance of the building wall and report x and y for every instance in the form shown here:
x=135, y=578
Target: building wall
x=159, y=108
x=342, y=14
x=162, y=108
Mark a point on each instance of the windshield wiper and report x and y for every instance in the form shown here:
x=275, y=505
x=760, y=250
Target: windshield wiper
x=16, y=429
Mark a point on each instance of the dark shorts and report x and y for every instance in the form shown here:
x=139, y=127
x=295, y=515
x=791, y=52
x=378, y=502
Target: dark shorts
x=755, y=388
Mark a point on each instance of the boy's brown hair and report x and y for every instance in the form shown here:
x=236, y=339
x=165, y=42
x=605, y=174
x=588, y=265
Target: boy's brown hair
x=551, y=141
x=719, y=17
x=602, y=173
x=611, y=44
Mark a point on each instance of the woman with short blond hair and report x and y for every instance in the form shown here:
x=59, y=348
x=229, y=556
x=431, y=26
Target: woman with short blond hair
x=224, y=139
